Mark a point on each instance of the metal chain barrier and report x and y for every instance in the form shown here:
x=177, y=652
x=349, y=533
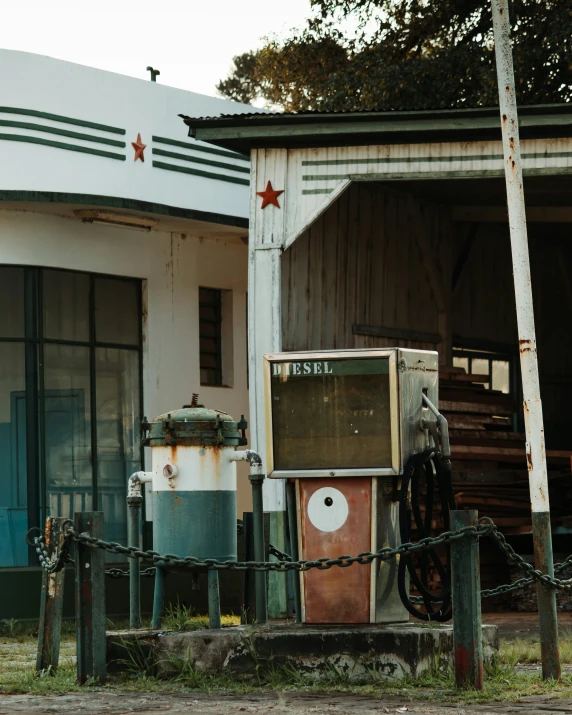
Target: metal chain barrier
x=285, y=563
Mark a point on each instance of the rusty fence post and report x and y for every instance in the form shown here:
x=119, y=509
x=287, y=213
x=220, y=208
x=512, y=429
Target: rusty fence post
x=466, y=590
x=90, y=599
x=52, y=601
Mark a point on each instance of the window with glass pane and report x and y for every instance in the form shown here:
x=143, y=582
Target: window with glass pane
x=117, y=311
x=13, y=474
x=494, y=366
x=62, y=380
x=118, y=443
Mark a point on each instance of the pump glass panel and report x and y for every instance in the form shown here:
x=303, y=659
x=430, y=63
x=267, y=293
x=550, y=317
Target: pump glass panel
x=331, y=414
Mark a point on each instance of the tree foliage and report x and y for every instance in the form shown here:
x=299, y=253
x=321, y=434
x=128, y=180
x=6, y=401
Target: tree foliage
x=407, y=54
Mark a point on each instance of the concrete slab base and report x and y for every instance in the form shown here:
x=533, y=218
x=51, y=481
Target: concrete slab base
x=359, y=653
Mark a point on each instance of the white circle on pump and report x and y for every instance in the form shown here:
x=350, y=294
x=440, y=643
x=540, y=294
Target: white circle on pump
x=328, y=509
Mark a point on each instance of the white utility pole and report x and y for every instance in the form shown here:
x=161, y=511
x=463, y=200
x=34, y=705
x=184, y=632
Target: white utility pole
x=534, y=425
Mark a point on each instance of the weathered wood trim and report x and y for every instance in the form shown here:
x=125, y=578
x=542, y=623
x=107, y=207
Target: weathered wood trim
x=396, y=333
x=304, y=222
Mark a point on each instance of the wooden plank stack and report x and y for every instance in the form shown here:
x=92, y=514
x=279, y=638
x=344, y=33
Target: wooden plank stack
x=489, y=465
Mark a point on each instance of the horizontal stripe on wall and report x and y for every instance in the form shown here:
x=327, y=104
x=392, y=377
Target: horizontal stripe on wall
x=432, y=159
x=198, y=172
x=434, y=174
x=61, y=132
x=402, y=160
x=60, y=118
x=199, y=147
x=61, y=145
x=317, y=191
x=198, y=160
x=58, y=197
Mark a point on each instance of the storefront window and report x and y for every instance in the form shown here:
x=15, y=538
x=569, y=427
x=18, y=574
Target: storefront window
x=70, y=363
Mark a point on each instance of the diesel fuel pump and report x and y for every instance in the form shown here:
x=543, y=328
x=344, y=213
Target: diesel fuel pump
x=358, y=433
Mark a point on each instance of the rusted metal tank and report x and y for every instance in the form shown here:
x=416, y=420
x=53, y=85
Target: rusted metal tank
x=194, y=482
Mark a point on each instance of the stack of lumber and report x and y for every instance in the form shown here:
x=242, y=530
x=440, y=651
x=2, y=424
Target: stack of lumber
x=489, y=466
x=488, y=457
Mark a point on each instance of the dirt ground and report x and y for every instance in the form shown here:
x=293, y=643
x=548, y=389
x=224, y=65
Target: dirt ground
x=89, y=703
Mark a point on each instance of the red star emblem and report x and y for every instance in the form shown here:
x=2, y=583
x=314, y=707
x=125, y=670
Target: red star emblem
x=139, y=148
x=269, y=196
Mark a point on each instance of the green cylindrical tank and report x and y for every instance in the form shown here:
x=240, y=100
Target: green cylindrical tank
x=194, y=482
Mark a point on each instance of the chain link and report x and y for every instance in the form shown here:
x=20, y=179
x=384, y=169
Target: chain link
x=524, y=566
x=284, y=562
x=119, y=573
x=486, y=527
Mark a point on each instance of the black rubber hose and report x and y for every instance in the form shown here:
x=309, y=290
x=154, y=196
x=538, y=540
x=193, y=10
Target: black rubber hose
x=436, y=471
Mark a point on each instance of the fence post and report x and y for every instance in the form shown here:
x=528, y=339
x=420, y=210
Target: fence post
x=256, y=481
x=214, y=599
x=134, y=502
x=52, y=601
x=90, y=599
x=466, y=591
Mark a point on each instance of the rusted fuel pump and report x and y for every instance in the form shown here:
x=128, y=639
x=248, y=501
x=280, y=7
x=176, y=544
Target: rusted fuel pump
x=353, y=432
x=194, y=455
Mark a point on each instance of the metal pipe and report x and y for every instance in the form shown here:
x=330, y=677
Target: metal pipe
x=533, y=420
x=259, y=547
x=293, y=531
x=214, y=599
x=158, y=597
x=248, y=455
x=443, y=428
x=134, y=538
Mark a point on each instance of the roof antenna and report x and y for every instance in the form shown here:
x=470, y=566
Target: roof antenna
x=154, y=73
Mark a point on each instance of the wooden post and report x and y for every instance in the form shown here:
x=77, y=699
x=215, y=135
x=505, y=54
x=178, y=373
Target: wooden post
x=52, y=602
x=466, y=587
x=90, y=599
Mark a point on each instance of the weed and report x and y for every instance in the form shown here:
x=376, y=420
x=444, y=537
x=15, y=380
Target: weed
x=140, y=659
x=9, y=626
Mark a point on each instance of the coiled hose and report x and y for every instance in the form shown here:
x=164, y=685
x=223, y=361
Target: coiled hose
x=429, y=467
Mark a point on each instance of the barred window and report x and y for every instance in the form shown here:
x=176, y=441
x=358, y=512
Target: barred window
x=210, y=335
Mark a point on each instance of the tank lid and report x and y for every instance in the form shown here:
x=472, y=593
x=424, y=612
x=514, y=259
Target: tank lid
x=194, y=425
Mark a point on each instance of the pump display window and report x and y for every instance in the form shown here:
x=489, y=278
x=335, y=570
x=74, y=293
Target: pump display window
x=70, y=364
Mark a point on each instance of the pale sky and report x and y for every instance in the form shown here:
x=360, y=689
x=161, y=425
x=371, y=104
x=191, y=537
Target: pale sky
x=192, y=42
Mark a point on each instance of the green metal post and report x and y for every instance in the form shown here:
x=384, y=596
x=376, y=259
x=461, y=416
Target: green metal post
x=259, y=548
x=134, y=502
x=158, y=597
x=546, y=597
x=466, y=589
x=52, y=602
x=293, y=531
x=214, y=598
x=90, y=599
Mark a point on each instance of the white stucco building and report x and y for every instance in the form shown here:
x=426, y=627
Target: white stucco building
x=122, y=278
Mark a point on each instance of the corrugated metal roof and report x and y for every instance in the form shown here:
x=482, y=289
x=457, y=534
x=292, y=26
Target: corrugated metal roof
x=368, y=113
x=242, y=132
